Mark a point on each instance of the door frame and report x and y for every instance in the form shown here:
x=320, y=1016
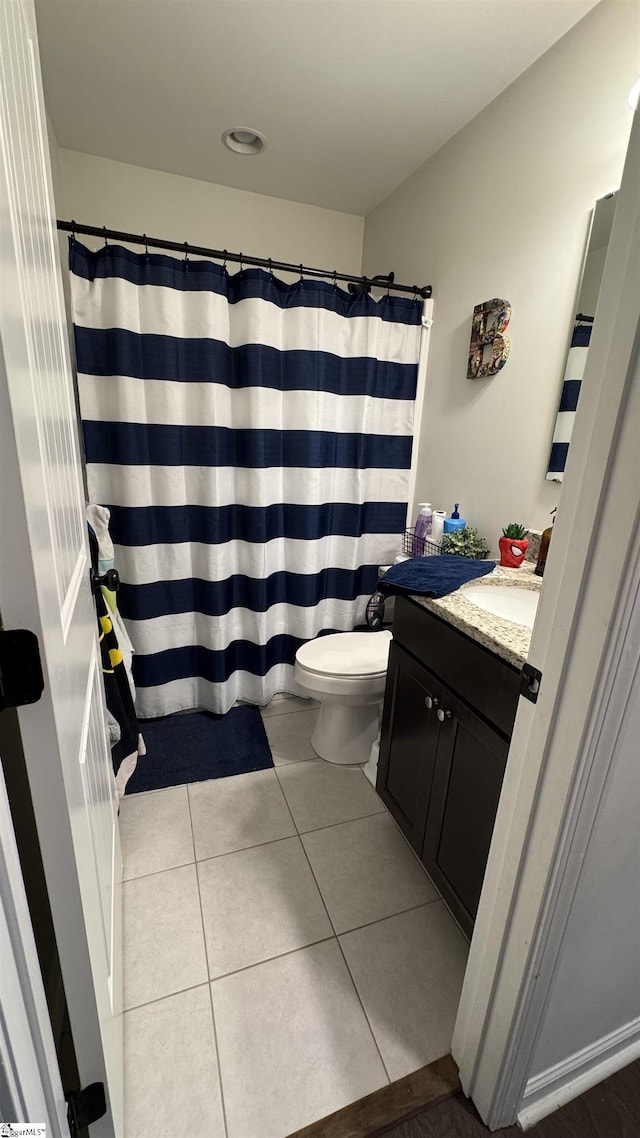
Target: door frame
x=552, y=786
x=30, y=1083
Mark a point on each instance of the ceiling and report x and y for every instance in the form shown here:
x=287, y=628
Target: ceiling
x=353, y=95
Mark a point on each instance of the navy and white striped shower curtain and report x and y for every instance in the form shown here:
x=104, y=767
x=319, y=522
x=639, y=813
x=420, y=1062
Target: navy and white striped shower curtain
x=252, y=440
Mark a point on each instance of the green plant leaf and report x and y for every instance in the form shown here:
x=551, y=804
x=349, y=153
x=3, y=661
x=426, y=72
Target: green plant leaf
x=465, y=542
x=515, y=531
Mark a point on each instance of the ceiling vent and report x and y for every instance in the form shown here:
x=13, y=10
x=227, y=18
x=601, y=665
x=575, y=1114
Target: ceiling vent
x=244, y=140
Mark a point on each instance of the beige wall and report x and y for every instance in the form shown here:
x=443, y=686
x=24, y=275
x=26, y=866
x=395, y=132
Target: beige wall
x=591, y=280
x=503, y=210
x=56, y=169
x=98, y=191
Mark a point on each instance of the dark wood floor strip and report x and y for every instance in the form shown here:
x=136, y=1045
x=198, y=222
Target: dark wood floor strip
x=610, y=1110
x=371, y=1115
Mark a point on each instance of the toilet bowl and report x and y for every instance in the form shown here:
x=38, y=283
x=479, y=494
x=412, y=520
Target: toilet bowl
x=346, y=672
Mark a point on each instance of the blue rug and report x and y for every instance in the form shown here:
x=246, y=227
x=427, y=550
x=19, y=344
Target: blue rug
x=198, y=745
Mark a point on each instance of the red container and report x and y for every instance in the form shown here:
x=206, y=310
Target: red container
x=512, y=551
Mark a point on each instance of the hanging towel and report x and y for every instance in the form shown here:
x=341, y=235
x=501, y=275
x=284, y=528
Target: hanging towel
x=433, y=576
x=98, y=518
x=119, y=702
x=124, y=642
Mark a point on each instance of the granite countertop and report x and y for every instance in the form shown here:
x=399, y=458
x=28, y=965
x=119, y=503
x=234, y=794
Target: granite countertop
x=508, y=640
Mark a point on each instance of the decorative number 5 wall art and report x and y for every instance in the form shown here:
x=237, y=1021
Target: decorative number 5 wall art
x=489, y=348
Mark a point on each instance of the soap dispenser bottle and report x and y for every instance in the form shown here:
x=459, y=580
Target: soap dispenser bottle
x=455, y=522
x=422, y=529
x=544, y=547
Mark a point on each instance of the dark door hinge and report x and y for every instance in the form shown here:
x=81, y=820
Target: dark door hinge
x=530, y=680
x=21, y=678
x=84, y=1107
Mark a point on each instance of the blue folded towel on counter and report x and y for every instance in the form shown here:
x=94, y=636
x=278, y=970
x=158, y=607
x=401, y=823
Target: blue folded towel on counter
x=432, y=576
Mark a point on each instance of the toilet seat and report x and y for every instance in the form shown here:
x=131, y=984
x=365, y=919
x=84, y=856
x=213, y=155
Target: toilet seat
x=346, y=655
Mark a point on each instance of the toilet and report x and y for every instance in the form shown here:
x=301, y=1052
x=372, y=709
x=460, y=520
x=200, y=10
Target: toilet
x=346, y=673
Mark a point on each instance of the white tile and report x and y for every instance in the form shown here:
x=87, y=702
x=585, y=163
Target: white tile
x=155, y=831
x=235, y=813
x=171, y=1083
x=163, y=938
x=366, y=871
x=294, y=1043
x=408, y=970
x=322, y=794
x=259, y=903
x=286, y=704
x=290, y=736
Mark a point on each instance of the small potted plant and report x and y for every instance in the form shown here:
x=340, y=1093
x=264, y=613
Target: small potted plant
x=465, y=542
x=513, y=545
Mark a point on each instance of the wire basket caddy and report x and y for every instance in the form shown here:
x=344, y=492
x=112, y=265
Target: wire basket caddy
x=419, y=546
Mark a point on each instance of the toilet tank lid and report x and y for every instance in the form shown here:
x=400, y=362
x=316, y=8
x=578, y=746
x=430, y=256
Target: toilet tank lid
x=347, y=653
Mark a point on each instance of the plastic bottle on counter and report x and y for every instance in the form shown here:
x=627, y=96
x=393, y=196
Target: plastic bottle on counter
x=422, y=529
x=455, y=522
x=437, y=526
x=544, y=547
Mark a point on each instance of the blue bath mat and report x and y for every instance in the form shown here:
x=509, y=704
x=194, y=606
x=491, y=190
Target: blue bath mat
x=198, y=745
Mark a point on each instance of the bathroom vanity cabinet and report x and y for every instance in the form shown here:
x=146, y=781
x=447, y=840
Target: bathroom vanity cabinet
x=448, y=714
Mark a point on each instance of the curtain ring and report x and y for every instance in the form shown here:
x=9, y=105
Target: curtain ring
x=186, y=254
x=270, y=268
x=335, y=278
x=301, y=276
x=73, y=230
x=104, y=230
x=241, y=265
x=224, y=263
x=146, y=247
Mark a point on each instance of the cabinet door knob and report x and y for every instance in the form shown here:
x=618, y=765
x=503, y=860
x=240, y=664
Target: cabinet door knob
x=430, y=702
x=442, y=715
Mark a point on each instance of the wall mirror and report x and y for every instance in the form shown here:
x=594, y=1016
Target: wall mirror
x=593, y=268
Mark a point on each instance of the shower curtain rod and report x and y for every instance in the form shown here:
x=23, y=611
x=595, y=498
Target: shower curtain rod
x=356, y=284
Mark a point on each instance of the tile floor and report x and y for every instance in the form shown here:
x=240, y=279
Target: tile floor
x=285, y=953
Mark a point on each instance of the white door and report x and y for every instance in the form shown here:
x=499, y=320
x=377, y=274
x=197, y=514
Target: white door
x=44, y=577
x=563, y=749
x=30, y=1087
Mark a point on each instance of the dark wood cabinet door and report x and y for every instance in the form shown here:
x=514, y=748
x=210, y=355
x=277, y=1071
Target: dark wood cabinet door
x=467, y=779
x=408, y=743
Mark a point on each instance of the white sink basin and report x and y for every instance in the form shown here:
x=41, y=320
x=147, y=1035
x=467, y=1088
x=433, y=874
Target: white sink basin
x=507, y=601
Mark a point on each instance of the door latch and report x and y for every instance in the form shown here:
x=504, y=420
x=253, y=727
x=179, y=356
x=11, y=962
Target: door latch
x=84, y=1107
x=21, y=678
x=530, y=680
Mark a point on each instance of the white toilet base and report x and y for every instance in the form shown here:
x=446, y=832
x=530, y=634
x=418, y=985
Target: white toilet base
x=343, y=733
x=371, y=769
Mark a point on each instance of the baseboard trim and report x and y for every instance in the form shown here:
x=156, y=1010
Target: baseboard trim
x=563, y=1082
x=394, y=1103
